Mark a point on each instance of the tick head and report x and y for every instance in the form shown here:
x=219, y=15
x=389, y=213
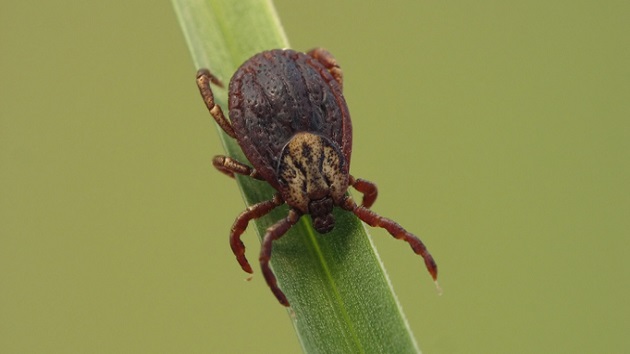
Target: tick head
x=321, y=212
x=313, y=175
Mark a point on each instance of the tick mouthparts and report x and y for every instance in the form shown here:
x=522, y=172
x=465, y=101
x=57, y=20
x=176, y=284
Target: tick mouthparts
x=324, y=224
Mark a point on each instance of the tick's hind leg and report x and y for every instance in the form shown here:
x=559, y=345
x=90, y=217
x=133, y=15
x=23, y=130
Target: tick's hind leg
x=229, y=166
x=273, y=233
x=397, y=231
x=329, y=62
x=369, y=190
x=240, y=225
x=204, y=78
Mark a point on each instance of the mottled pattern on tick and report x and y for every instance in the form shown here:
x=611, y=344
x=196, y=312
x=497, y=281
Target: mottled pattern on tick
x=279, y=93
x=312, y=168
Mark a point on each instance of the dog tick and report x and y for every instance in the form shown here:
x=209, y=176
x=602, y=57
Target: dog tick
x=289, y=116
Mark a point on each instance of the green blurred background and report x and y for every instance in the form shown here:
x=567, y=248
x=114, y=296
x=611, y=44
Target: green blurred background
x=499, y=132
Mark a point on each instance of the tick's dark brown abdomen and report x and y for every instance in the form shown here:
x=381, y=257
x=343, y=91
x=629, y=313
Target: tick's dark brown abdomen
x=278, y=93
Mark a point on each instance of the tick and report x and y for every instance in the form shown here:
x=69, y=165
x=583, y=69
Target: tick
x=289, y=116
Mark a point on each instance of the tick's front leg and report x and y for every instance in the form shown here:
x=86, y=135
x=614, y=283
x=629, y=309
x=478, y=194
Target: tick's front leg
x=273, y=233
x=397, y=231
x=240, y=225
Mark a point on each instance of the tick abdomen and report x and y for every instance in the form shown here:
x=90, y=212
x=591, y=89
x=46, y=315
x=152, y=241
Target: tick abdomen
x=279, y=93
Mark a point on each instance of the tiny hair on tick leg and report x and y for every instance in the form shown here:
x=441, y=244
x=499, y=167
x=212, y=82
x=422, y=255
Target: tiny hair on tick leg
x=301, y=147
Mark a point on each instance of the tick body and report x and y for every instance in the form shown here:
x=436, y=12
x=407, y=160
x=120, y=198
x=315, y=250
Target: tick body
x=289, y=116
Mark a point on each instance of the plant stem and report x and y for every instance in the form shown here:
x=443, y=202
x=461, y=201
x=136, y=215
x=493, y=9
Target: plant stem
x=341, y=299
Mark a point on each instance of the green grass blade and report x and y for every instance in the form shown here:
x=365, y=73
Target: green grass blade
x=340, y=295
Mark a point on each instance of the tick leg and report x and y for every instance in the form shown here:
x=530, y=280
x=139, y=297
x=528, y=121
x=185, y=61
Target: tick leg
x=368, y=189
x=273, y=233
x=329, y=62
x=229, y=166
x=204, y=78
x=240, y=224
x=397, y=231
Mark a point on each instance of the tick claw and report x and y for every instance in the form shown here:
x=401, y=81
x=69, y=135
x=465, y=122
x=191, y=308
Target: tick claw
x=247, y=268
x=438, y=288
x=245, y=265
x=292, y=313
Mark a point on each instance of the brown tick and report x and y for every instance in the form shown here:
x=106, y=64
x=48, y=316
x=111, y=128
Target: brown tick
x=288, y=114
